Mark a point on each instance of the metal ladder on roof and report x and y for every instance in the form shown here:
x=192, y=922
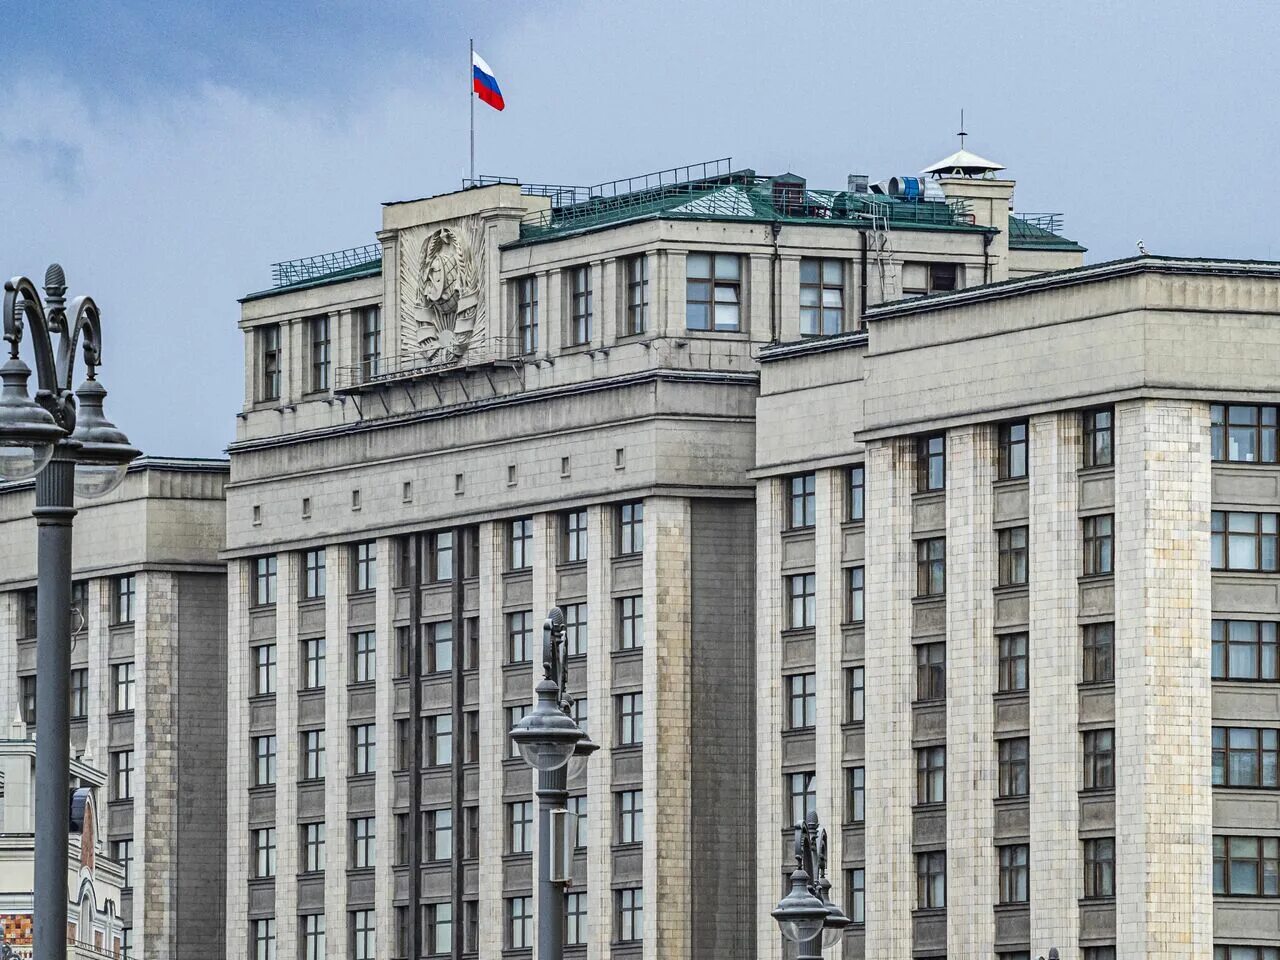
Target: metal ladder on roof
x=880, y=250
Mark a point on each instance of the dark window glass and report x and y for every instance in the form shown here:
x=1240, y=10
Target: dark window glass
x=1099, y=652
x=1013, y=451
x=931, y=671
x=1243, y=433
x=1099, y=760
x=931, y=463
x=1098, y=544
x=1245, y=650
x=1012, y=549
x=931, y=567
x=1014, y=767
x=1098, y=439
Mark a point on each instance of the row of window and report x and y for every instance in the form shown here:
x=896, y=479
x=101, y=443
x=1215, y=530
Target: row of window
x=124, y=602
x=270, y=353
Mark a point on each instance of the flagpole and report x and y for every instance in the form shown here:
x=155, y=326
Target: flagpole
x=471, y=97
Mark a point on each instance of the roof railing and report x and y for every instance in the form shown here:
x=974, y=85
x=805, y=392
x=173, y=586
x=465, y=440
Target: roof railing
x=1048, y=222
x=288, y=272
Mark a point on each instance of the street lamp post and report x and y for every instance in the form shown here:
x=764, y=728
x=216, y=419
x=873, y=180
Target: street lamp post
x=548, y=738
x=806, y=914
x=62, y=439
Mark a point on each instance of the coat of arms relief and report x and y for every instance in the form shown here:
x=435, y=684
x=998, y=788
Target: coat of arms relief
x=442, y=298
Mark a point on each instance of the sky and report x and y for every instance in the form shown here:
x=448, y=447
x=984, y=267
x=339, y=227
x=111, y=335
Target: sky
x=167, y=153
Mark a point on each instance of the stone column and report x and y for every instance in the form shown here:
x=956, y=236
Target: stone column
x=605, y=324
x=101, y=693
x=1053, y=665
x=770, y=819
x=384, y=759
x=971, y=681
x=890, y=674
x=9, y=613
x=600, y=643
x=669, y=305
x=337, y=672
x=239, y=584
x=1164, y=803
x=757, y=313
x=550, y=326
x=546, y=531
x=666, y=669
x=493, y=738
x=288, y=656
x=789, y=302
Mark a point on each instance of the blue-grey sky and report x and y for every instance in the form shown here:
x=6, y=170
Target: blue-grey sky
x=167, y=153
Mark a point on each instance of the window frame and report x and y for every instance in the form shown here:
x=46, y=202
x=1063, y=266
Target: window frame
x=1266, y=634
x=1265, y=438
x=1265, y=543
x=1098, y=438
x=931, y=463
x=526, y=303
x=931, y=671
x=931, y=880
x=1013, y=553
x=1015, y=872
x=1099, y=861
x=580, y=305
x=1013, y=662
x=370, y=320
x=802, y=600
x=636, y=314
x=1098, y=646
x=715, y=285
x=931, y=567
x=1012, y=461
x=1013, y=764
x=1098, y=749
x=1097, y=545
x=817, y=289
x=802, y=700
x=802, y=500
x=319, y=344
x=931, y=775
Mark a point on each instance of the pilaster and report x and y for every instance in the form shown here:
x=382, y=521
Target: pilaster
x=493, y=738
x=828, y=650
x=95, y=635
x=337, y=674
x=288, y=584
x=239, y=583
x=600, y=643
x=545, y=536
x=770, y=820
x=384, y=738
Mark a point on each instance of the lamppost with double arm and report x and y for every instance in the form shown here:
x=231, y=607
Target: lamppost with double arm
x=806, y=914
x=61, y=438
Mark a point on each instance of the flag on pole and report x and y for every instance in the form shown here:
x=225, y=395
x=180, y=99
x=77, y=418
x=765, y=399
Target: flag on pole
x=484, y=83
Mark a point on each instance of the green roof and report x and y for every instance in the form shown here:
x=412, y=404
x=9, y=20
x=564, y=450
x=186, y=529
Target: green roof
x=1038, y=232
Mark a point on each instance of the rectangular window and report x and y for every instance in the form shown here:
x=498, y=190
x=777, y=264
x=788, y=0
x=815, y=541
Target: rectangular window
x=371, y=342
x=1245, y=650
x=515, y=715
x=313, y=947
x=122, y=602
x=122, y=775
x=821, y=297
x=575, y=628
x=264, y=938
x=471, y=645
x=439, y=739
x=856, y=802
x=855, y=694
x=520, y=827
x=630, y=719
x=79, y=606
x=1013, y=662
x=1012, y=463
x=630, y=623
x=520, y=637
x=713, y=299
x=1220, y=952
x=1246, y=757
x=1099, y=652
x=1244, y=541
x=802, y=610
x=263, y=843
x=857, y=506
x=29, y=602
x=438, y=924
x=855, y=610
x=1243, y=433
x=28, y=700
x=441, y=546
x=313, y=663
x=1100, y=867
x=313, y=574
x=363, y=935
x=855, y=884
x=630, y=806
x=1015, y=873
x=579, y=305
x=931, y=671
x=437, y=834
x=363, y=656
x=123, y=684
x=1099, y=760
x=439, y=652
x=630, y=919
x=264, y=581
x=931, y=775
x=1014, y=767
x=801, y=498
x=79, y=694
x=1012, y=550
x=264, y=669
x=573, y=537
x=631, y=528
x=519, y=923
x=575, y=919
x=313, y=754
x=471, y=736
x=363, y=843
x=365, y=566
x=122, y=853
x=313, y=837
x=527, y=314
x=1098, y=439
x=521, y=537
x=577, y=806
x=1098, y=544
x=364, y=751
x=471, y=832
x=931, y=880
x=802, y=701
x=264, y=761
x=1246, y=866
x=269, y=361
x=931, y=463
x=919, y=279
x=931, y=567
x=318, y=328
x=636, y=320
x=802, y=796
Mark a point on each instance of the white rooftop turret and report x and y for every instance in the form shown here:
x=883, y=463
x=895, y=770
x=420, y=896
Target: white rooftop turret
x=963, y=163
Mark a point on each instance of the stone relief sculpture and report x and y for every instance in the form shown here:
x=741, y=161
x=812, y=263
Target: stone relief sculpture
x=443, y=313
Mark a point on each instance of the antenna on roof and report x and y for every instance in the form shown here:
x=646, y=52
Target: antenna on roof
x=962, y=134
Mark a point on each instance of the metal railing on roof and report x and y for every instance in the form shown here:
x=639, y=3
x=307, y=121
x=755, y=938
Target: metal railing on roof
x=1048, y=222
x=289, y=272
x=499, y=351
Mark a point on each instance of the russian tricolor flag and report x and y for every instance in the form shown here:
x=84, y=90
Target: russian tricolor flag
x=485, y=83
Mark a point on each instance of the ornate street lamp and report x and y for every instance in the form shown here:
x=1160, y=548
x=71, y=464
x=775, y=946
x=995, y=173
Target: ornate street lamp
x=806, y=914
x=549, y=738
x=70, y=448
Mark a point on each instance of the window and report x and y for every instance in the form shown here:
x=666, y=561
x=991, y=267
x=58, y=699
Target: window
x=1100, y=867
x=575, y=916
x=29, y=601
x=931, y=775
x=313, y=578
x=801, y=497
x=471, y=731
x=522, y=543
x=1012, y=548
x=269, y=362
x=364, y=752
x=931, y=880
x=857, y=506
x=802, y=604
x=313, y=663
x=855, y=694
x=264, y=669
x=514, y=716
x=802, y=796
x=821, y=297
x=1246, y=757
x=313, y=759
x=313, y=947
x=630, y=805
x=437, y=834
x=1014, y=767
x=578, y=710
x=519, y=922
x=520, y=637
x=1012, y=463
x=125, y=594
x=1098, y=439
x=439, y=652
x=371, y=341
x=264, y=939
x=441, y=545
x=855, y=885
x=630, y=623
x=28, y=700
x=931, y=567
x=1246, y=866
x=575, y=628
x=122, y=775
x=573, y=532
x=264, y=580
x=630, y=719
x=363, y=844
x=264, y=761
x=578, y=807
x=439, y=928
x=1243, y=434
x=79, y=606
x=1013, y=662
x=471, y=645
x=365, y=568
x=636, y=320
x=579, y=305
x=471, y=832
x=1099, y=652
x=363, y=653
x=630, y=914
x=263, y=843
x=1245, y=650
x=855, y=610
x=802, y=701
x=931, y=463
x=318, y=328
x=919, y=279
x=1099, y=760
x=79, y=694
x=931, y=671
x=363, y=935
x=713, y=291
x=439, y=739
x=1219, y=953
x=856, y=802
x=527, y=314
x=1097, y=544
x=1015, y=873
x=631, y=528
x=313, y=835
x=1244, y=541
x=122, y=853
